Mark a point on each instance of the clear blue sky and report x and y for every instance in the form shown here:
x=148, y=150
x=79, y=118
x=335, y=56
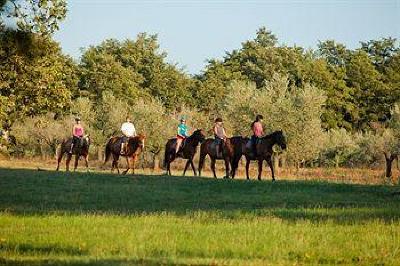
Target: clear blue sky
x=193, y=31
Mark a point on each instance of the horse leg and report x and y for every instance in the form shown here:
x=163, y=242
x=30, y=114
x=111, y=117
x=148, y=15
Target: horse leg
x=271, y=165
x=128, y=166
x=213, y=167
x=115, y=163
x=247, y=168
x=260, y=165
x=67, y=161
x=76, y=162
x=133, y=165
x=87, y=162
x=59, y=160
x=227, y=170
x=186, y=167
x=194, y=169
x=201, y=160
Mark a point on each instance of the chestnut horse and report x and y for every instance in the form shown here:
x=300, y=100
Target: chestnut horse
x=209, y=147
x=242, y=146
x=187, y=151
x=134, y=147
x=81, y=149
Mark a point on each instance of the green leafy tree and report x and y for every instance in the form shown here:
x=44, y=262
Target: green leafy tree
x=36, y=78
x=33, y=16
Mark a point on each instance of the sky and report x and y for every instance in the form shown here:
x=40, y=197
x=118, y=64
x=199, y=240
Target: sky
x=193, y=31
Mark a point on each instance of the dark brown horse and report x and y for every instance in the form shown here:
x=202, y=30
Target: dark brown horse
x=187, y=151
x=134, y=147
x=81, y=149
x=242, y=146
x=209, y=147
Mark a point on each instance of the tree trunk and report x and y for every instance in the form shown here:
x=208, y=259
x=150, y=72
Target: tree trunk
x=389, y=161
x=100, y=154
x=156, y=162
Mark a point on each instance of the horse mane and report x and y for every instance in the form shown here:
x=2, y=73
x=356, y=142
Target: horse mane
x=272, y=135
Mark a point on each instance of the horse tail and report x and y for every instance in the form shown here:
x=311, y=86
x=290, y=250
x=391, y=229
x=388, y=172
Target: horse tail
x=107, y=151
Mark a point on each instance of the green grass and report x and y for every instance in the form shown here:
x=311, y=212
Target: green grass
x=101, y=219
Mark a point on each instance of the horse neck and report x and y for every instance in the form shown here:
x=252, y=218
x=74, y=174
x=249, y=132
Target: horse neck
x=269, y=140
x=192, y=140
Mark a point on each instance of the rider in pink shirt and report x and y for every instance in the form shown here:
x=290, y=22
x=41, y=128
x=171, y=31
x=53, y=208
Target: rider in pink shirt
x=77, y=133
x=258, y=132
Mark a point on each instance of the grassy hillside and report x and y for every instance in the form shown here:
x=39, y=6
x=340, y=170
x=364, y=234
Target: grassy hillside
x=102, y=219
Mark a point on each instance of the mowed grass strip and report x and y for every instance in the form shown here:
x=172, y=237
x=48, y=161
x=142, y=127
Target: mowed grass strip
x=85, y=219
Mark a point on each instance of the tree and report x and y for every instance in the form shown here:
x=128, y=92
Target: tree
x=33, y=16
x=295, y=110
x=132, y=69
x=369, y=91
x=380, y=51
x=36, y=78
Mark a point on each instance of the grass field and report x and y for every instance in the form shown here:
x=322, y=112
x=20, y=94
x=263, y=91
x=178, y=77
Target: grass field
x=102, y=219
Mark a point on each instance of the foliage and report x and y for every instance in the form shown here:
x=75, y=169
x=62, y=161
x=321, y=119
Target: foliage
x=295, y=110
x=40, y=135
x=133, y=69
x=36, y=78
x=33, y=16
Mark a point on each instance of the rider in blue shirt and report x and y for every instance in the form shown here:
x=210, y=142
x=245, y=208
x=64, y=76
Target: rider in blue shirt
x=182, y=133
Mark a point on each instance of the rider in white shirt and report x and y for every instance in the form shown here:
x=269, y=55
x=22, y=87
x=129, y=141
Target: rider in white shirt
x=128, y=130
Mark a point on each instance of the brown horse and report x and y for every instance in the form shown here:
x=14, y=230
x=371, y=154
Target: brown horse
x=81, y=149
x=134, y=147
x=187, y=151
x=242, y=146
x=209, y=147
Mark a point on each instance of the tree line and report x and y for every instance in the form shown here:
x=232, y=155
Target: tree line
x=325, y=95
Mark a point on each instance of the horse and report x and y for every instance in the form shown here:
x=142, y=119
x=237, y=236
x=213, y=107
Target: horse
x=81, y=149
x=209, y=147
x=134, y=147
x=187, y=150
x=243, y=146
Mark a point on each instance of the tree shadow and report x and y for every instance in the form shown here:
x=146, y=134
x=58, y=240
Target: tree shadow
x=30, y=192
x=86, y=262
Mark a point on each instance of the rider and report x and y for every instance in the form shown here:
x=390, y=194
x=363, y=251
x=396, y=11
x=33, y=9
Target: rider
x=219, y=133
x=77, y=133
x=128, y=130
x=182, y=133
x=258, y=131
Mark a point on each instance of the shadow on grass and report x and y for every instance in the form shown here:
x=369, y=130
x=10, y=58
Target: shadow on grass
x=30, y=192
x=27, y=249
x=83, y=262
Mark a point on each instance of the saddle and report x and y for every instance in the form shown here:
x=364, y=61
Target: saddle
x=180, y=151
x=218, y=145
x=250, y=148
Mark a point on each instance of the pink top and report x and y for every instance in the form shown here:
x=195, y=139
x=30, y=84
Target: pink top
x=258, y=129
x=78, y=131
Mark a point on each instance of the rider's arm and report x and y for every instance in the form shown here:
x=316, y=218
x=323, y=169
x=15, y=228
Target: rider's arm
x=215, y=130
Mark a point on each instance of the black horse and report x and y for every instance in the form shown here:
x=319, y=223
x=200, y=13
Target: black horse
x=81, y=149
x=187, y=151
x=243, y=146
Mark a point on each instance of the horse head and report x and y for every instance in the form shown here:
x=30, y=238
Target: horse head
x=86, y=140
x=280, y=139
x=137, y=142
